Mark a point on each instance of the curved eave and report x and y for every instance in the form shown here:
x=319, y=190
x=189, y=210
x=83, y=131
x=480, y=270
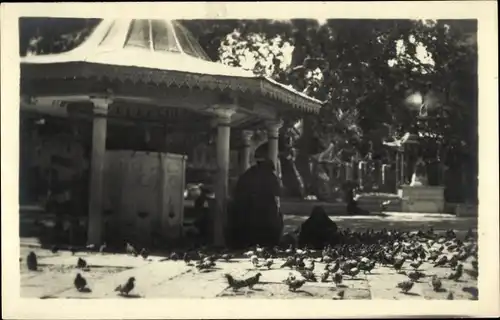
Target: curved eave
x=210, y=76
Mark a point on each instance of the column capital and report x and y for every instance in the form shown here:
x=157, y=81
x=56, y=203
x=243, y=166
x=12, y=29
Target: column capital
x=273, y=127
x=274, y=124
x=223, y=113
x=101, y=104
x=247, y=136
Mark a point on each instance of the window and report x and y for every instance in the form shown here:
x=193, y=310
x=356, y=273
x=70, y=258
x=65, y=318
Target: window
x=188, y=42
x=163, y=37
x=138, y=35
x=110, y=34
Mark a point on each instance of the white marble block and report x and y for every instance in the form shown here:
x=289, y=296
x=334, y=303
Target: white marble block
x=424, y=199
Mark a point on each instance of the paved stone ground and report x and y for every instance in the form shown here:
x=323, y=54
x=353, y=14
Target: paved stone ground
x=163, y=279
x=156, y=279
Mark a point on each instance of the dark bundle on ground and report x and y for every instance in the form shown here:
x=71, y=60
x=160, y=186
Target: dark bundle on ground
x=317, y=230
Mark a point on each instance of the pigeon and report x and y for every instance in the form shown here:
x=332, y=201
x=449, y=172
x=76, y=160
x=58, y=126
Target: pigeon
x=127, y=287
x=405, y=286
x=474, y=264
x=248, y=254
x=472, y=273
x=324, y=276
x=174, y=256
x=32, y=262
x=311, y=266
x=255, y=260
x=269, y=262
x=308, y=275
x=187, y=259
x=398, y=264
x=290, y=262
x=335, y=267
x=472, y=291
x=103, y=248
x=415, y=265
x=205, y=265
x=453, y=262
x=80, y=283
x=339, y=295
x=294, y=284
x=353, y=272
x=337, y=278
x=457, y=274
x=130, y=249
x=226, y=257
x=415, y=275
x=441, y=262
x=327, y=259
x=81, y=263
x=259, y=250
x=144, y=253
x=367, y=267
x=436, y=283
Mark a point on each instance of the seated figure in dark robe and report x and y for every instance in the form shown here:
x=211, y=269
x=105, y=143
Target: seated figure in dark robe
x=318, y=230
x=254, y=216
x=351, y=203
x=202, y=213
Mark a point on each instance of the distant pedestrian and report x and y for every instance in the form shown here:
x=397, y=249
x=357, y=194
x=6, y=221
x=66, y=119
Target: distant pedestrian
x=351, y=203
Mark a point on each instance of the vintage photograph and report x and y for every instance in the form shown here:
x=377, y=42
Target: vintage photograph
x=248, y=158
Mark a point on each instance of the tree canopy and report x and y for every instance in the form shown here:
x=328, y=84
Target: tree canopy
x=363, y=69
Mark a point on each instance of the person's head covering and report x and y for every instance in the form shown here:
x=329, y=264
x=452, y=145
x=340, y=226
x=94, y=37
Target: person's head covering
x=266, y=163
x=318, y=212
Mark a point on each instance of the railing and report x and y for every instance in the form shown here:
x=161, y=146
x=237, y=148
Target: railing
x=368, y=176
x=376, y=176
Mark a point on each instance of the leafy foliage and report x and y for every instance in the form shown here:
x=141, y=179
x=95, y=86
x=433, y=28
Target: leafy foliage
x=363, y=69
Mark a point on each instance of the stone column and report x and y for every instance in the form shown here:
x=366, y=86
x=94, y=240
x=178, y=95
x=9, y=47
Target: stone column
x=221, y=189
x=361, y=173
x=245, y=151
x=348, y=171
x=273, y=128
x=397, y=170
x=403, y=167
x=95, y=223
x=383, y=177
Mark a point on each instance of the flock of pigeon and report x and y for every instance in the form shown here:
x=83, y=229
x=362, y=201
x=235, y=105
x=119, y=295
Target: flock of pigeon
x=80, y=283
x=354, y=253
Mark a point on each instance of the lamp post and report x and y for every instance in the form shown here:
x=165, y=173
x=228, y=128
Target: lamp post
x=417, y=102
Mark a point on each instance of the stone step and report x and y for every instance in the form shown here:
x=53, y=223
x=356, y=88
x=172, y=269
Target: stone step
x=466, y=210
